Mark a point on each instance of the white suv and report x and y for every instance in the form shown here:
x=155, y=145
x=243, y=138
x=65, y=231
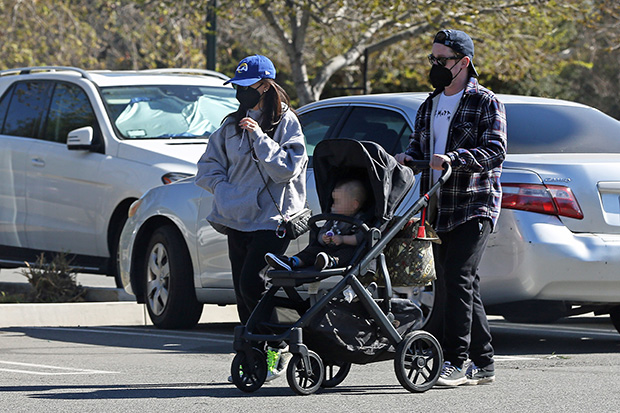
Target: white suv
x=78, y=147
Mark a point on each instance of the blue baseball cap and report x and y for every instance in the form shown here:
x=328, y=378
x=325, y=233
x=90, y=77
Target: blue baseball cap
x=252, y=69
x=458, y=41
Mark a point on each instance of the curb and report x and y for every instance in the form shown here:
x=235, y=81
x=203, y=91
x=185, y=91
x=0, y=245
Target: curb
x=96, y=314
x=93, y=294
x=105, y=307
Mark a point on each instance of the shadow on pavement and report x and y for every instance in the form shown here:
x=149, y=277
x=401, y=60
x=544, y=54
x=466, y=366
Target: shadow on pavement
x=212, y=338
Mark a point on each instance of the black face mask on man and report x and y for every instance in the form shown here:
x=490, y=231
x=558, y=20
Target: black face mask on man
x=441, y=77
x=248, y=97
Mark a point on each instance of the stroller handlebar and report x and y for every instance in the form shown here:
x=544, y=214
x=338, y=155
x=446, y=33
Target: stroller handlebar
x=416, y=164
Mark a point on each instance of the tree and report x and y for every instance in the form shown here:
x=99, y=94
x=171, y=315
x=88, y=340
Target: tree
x=335, y=34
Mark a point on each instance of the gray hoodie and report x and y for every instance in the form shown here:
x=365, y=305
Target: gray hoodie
x=227, y=170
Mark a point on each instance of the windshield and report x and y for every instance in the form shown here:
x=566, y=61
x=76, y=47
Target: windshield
x=168, y=111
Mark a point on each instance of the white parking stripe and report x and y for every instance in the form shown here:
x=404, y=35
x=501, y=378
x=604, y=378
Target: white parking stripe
x=39, y=369
x=514, y=358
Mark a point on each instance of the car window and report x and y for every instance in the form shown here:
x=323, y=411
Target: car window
x=4, y=105
x=385, y=127
x=70, y=109
x=319, y=124
x=28, y=104
x=560, y=129
x=168, y=111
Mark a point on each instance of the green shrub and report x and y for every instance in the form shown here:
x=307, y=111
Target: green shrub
x=53, y=282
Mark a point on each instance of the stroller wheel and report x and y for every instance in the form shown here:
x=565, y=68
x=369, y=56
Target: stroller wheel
x=418, y=361
x=335, y=373
x=249, y=376
x=299, y=379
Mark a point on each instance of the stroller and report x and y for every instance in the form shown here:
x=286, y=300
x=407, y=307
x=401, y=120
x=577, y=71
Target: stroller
x=326, y=332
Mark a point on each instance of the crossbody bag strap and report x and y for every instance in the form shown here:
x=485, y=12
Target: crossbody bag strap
x=280, y=229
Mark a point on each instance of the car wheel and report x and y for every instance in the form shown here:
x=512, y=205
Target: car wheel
x=170, y=296
x=614, y=314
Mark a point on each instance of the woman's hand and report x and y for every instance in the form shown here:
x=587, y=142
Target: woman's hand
x=249, y=124
x=403, y=158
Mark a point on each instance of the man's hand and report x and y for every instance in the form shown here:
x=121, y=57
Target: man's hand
x=438, y=160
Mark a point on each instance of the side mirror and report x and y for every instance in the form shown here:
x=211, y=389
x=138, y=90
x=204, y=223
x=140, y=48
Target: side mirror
x=80, y=139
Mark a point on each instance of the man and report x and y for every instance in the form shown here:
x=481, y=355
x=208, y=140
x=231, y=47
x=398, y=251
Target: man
x=463, y=124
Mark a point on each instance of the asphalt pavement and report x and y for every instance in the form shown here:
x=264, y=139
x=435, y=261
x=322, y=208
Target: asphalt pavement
x=106, y=305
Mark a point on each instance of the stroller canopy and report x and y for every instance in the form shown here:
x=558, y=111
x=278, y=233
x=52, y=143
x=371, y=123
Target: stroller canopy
x=388, y=181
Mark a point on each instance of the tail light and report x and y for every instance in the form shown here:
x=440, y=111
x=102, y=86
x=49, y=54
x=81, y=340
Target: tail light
x=544, y=199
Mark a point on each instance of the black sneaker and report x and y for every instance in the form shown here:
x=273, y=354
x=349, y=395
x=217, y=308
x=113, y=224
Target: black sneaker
x=323, y=261
x=451, y=376
x=479, y=375
x=279, y=262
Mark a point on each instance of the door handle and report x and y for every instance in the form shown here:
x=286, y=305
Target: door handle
x=38, y=162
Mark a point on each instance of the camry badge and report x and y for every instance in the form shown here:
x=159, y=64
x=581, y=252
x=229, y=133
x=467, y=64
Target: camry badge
x=558, y=180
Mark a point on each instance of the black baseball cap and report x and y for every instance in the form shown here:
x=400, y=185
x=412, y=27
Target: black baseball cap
x=458, y=41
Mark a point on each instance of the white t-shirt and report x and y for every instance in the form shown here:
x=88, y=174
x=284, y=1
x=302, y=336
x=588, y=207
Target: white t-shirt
x=446, y=107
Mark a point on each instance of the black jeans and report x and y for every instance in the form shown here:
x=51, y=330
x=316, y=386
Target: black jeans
x=246, y=251
x=466, y=329
x=342, y=253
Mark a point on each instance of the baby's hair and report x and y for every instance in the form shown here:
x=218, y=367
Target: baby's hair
x=354, y=188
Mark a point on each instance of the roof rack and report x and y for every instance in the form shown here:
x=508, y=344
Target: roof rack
x=29, y=70
x=205, y=72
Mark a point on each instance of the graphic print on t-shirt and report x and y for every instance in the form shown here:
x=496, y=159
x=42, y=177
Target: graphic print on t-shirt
x=443, y=115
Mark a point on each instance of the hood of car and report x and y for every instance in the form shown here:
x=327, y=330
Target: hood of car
x=593, y=179
x=179, y=155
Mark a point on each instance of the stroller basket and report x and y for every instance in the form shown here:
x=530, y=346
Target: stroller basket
x=409, y=258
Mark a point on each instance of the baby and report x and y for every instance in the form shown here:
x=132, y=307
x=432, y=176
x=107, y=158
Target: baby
x=336, y=241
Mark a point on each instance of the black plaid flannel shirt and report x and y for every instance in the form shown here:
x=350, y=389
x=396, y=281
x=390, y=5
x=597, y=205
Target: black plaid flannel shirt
x=477, y=147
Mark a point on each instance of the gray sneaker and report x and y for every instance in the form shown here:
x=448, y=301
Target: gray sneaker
x=451, y=376
x=476, y=375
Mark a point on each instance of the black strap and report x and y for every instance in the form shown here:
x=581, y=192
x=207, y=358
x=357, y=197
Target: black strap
x=280, y=229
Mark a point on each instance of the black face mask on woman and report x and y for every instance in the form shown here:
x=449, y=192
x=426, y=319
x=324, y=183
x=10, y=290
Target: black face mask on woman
x=441, y=76
x=248, y=97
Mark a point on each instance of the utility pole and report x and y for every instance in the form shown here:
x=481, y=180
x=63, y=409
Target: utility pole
x=211, y=36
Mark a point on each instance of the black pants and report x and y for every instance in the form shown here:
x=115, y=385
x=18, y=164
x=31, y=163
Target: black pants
x=466, y=329
x=342, y=253
x=246, y=251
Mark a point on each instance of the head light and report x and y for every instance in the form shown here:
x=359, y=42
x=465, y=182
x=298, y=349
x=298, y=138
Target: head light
x=171, y=177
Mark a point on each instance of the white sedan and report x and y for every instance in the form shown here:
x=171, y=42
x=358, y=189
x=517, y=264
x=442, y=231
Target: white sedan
x=555, y=251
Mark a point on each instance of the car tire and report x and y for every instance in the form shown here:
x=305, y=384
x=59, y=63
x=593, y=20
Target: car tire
x=169, y=291
x=614, y=315
x=115, y=262
x=534, y=312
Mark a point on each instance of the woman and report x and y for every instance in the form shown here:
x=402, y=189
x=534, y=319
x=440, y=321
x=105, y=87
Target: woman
x=255, y=159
